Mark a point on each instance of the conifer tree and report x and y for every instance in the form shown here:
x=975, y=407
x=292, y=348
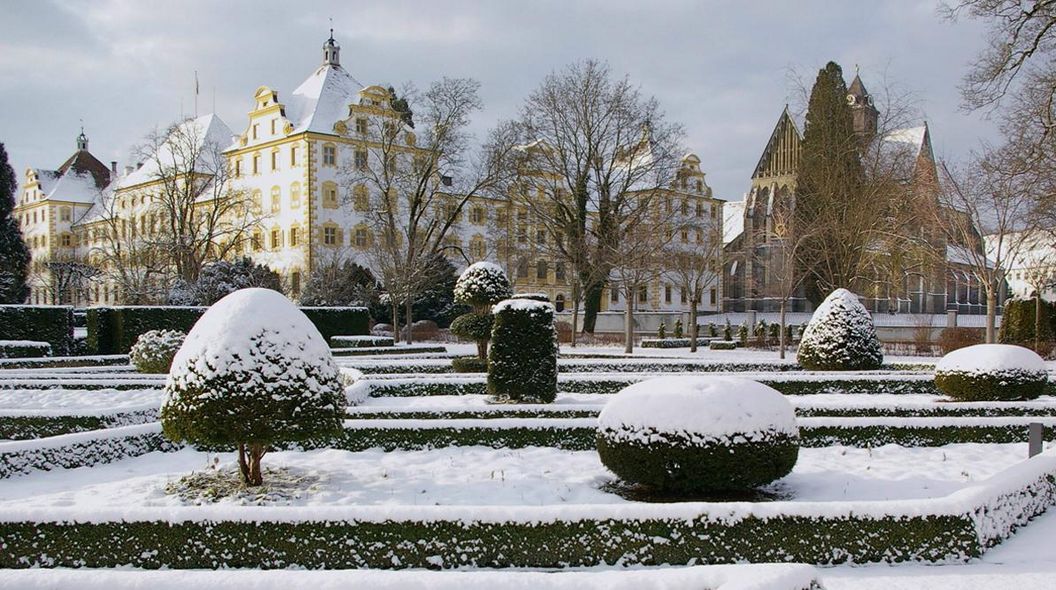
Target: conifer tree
x=14, y=255
x=829, y=189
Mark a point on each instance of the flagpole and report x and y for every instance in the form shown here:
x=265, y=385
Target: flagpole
x=196, y=94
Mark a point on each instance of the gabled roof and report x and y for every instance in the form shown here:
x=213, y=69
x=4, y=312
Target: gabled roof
x=322, y=100
x=208, y=129
x=732, y=220
x=78, y=180
x=783, y=123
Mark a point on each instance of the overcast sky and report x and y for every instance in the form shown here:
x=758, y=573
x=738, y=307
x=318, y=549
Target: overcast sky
x=719, y=68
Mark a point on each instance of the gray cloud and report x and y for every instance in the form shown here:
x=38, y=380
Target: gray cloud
x=720, y=68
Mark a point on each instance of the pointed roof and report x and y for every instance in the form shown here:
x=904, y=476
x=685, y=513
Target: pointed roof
x=208, y=129
x=780, y=129
x=322, y=99
x=78, y=180
x=83, y=162
x=857, y=88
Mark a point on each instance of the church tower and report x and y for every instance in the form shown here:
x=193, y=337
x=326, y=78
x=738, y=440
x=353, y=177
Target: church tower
x=331, y=52
x=82, y=141
x=862, y=110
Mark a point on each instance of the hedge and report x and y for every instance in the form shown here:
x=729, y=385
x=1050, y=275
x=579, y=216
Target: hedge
x=623, y=365
x=79, y=383
x=48, y=323
x=27, y=427
x=19, y=349
x=362, y=341
x=113, y=330
x=65, y=362
x=381, y=350
x=959, y=527
x=81, y=449
x=673, y=342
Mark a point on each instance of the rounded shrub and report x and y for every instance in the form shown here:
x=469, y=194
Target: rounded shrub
x=840, y=336
x=688, y=435
x=522, y=362
x=541, y=297
x=469, y=364
x=253, y=371
x=991, y=372
x=482, y=284
x=154, y=350
x=472, y=326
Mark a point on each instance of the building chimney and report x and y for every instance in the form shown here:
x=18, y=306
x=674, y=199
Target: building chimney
x=128, y=170
x=113, y=167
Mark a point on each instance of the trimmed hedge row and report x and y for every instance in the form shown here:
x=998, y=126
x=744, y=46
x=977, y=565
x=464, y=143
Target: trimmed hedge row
x=362, y=341
x=673, y=342
x=582, y=365
x=452, y=543
x=86, y=384
x=20, y=349
x=413, y=388
x=33, y=427
x=65, y=361
x=82, y=449
x=48, y=323
x=113, y=330
x=360, y=351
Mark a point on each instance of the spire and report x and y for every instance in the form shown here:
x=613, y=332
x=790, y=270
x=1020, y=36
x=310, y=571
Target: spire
x=331, y=50
x=82, y=140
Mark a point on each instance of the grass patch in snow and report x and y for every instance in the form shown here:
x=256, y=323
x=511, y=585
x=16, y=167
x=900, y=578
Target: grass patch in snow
x=281, y=486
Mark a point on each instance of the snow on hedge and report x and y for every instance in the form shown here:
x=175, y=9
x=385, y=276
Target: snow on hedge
x=522, y=305
x=987, y=358
x=482, y=283
x=698, y=408
x=840, y=336
x=991, y=372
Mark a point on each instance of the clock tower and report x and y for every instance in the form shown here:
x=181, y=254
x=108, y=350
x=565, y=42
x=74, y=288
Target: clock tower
x=863, y=112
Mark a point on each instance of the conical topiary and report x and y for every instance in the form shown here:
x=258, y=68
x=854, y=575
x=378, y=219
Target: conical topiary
x=840, y=336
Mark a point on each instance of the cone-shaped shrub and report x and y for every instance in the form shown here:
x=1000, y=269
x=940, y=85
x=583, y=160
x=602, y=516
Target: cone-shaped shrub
x=840, y=336
x=522, y=362
x=253, y=371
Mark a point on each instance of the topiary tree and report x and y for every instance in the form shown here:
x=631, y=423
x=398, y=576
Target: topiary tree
x=481, y=285
x=991, y=372
x=840, y=336
x=677, y=332
x=727, y=331
x=154, y=350
x=522, y=362
x=742, y=334
x=661, y=332
x=252, y=372
x=690, y=435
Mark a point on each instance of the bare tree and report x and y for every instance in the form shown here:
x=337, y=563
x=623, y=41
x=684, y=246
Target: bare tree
x=126, y=255
x=412, y=192
x=694, y=264
x=591, y=145
x=787, y=266
x=65, y=277
x=195, y=213
x=992, y=196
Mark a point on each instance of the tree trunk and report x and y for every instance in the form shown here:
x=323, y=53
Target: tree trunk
x=781, y=335
x=628, y=324
x=409, y=319
x=243, y=465
x=1037, y=321
x=693, y=328
x=395, y=321
x=991, y=314
x=592, y=305
x=482, y=349
x=249, y=457
x=575, y=313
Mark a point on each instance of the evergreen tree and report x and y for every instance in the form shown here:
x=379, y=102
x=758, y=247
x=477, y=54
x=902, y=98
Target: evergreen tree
x=401, y=106
x=340, y=283
x=829, y=185
x=438, y=303
x=14, y=255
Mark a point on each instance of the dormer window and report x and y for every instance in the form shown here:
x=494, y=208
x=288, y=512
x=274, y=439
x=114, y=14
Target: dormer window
x=255, y=126
x=361, y=126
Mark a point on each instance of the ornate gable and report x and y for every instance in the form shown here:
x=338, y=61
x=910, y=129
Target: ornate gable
x=781, y=156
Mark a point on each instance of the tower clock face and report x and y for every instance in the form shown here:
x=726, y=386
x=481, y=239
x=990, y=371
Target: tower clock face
x=850, y=99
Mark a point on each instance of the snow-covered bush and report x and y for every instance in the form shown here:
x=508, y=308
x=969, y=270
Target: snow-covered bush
x=15, y=349
x=221, y=278
x=469, y=364
x=522, y=362
x=253, y=371
x=474, y=326
x=677, y=332
x=986, y=372
x=482, y=284
x=154, y=350
x=722, y=345
x=840, y=336
x=698, y=434
x=541, y=297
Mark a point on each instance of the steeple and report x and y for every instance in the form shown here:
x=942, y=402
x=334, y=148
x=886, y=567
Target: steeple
x=82, y=140
x=862, y=109
x=331, y=51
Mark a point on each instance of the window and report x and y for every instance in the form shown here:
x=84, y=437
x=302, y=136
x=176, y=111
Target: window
x=255, y=128
x=257, y=241
x=66, y=240
x=329, y=155
x=330, y=236
x=684, y=295
x=256, y=163
x=559, y=302
x=667, y=293
x=685, y=207
x=713, y=296
x=362, y=239
x=361, y=198
x=330, y=195
x=559, y=271
x=295, y=281
x=700, y=186
x=293, y=156
x=477, y=248
x=685, y=236
x=476, y=215
x=540, y=236
x=273, y=126
x=643, y=294
x=614, y=295
x=65, y=213
x=700, y=208
x=294, y=234
x=714, y=212
x=522, y=268
x=276, y=239
x=361, y=126
x=295, y=195
x=522, y=234
x=522, y=216
x=276, y=199
x=361, y=160
x=541, y=270
x=238, y=168
x=274, y=160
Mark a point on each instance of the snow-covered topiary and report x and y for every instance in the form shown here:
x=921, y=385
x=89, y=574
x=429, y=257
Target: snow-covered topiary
x=253, y=371
x=991, y=372
x=840, y=336
x=522, y=362
x=482, y=284
x=698, y=434
x=154, y=350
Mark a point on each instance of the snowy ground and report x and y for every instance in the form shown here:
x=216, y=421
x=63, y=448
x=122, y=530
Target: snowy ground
x=530, y=477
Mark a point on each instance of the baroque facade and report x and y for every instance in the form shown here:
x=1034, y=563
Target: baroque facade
x=292, y=166
x=756, y=236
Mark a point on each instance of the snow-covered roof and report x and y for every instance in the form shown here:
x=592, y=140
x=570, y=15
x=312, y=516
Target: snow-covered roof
x=78, y=180
x=322, y=99
x=209, y=129
x=732, y=221
x=74, y=186
x=961, y=255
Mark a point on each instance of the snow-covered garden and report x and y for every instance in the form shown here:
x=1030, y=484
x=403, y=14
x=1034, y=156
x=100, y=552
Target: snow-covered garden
x=247, y=443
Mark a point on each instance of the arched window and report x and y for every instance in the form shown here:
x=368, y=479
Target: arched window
x=276, y=199
x=295, y=195
x=559, y=302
